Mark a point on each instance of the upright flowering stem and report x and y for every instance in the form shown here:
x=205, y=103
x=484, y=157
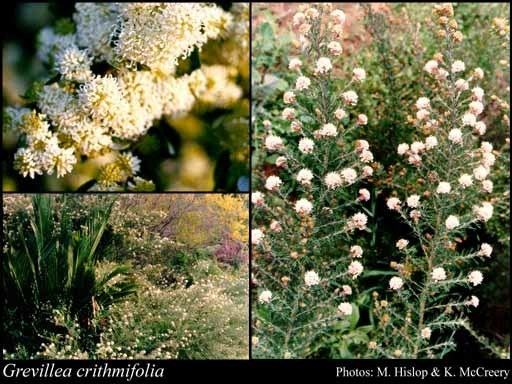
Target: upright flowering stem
x=305, y=251
x=446, y=200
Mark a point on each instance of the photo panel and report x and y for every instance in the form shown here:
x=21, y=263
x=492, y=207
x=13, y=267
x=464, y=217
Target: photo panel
x=372, y=140
x=125, y=276
x=126, y=97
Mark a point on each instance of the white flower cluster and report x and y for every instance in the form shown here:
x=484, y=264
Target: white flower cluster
x=89, y=114
x=152, y=34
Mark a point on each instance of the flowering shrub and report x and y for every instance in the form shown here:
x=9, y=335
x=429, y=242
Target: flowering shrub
x=436, y=275
x=436, y=116
x=309, y=219
x=113, y=73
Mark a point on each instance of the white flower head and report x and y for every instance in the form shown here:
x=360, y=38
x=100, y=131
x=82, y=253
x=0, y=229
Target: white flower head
x=364, y=194
x=396, y=283
x=458, y=66
x=340, y=113
x=480, y=128
x=443, y=187
x=303, y=207
x=362, y=145
x=304, y=176
x=345, y=309
x=413, y=201
x=257, y=198
x=484, y=212
x=393, y=203
x=438, y=274
x=431, y=142
x=288, y=113
x=25, y=164
x=462, y=85
x=311, y=278
x=487, y=186
x=402, y=148
x=478, y=73
x=289, y=97
x=362, y=119
x=431, y=66
x=475, y=278
x=417, y=147
x=469, y=119
x=328, y=130
x=477, y=93
x=273, y=143
x=473, y=301
x=465, y=180
x=402, y=244
x=323, y=65
x=275, y=226
x=302, y=83
x=488, y=159
x=480, y=173
x=452, y=222
x=298, y=18
x=273, y=183
x=332, y=180
x=423, y=103
x=355, y=269
x=485, y=250
x=74, y=64
x=426, y=333
x=486, y=147
x=366, y=156
x=296, y=126
x=335, y=48
x=357, y=221
x=359, y=74
x=281, y=162
x=265, y=297
x=350, y=97
x=422, y=114
x=257, y=236
x=367, y=171
x=338, y=16
x=455, y=136
x=346, y=290
x=349, y=175
x=306, y=145
x=295, y=64
x=64, y=161
x=476, y=107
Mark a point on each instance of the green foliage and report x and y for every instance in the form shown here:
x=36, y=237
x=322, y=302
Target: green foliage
x=65, y=26
x=48, y=264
